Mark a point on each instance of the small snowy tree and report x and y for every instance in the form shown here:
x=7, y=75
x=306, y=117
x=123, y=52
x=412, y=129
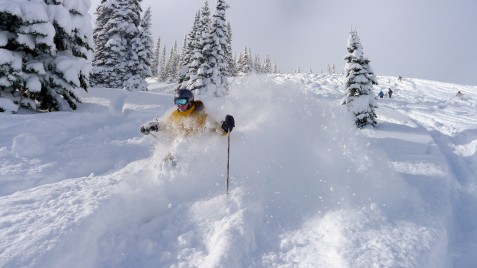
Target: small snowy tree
x=331, y=69
x=257, y=65
x=232, y=67
x=162, y=75
x=267, y=65
x=172, y=64
x=243, y=65
x=275, y=68
x=156, y=58
x=359, y=81
x=45, y=51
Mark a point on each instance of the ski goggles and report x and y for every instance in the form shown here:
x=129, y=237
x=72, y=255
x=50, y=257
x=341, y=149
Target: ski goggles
x=180, y=102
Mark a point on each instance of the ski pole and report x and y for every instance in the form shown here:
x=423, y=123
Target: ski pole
x=228, y=160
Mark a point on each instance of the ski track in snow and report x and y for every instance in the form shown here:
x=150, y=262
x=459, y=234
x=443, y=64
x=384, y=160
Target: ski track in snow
x=84, y=189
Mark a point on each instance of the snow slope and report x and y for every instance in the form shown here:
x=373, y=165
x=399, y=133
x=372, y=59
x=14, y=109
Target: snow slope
x=86, y=189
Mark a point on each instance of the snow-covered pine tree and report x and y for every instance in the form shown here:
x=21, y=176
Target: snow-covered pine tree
x=45, y=49
x=113, y=43
x=243, y=64
x=162, y=66
x=359, y=81
x=232, y=68
x=100, y=37
x=199, y=69
x=172, y=64
x=275, y=68
x=141, y=56
x=267, y=65
x=156, y=57
x=181, y=67
x=250, y=58
x=219, y=47
x=257, y=65
x=188, y=53
x=331, y=69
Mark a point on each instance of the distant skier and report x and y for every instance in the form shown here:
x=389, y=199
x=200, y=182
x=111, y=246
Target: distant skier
x=400, y=78
x=381, y=94
x=390, y=92
x=189, y=118
x=459, y=94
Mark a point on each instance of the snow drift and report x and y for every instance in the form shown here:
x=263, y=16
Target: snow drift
x=308, y=189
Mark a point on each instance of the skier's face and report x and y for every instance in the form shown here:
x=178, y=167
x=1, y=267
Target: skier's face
x=182, y=105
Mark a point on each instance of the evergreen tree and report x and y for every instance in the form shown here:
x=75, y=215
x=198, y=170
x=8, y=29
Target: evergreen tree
x=199, y=69
x=156, y=58
x=250, y=59
x=44, y=57
x=219, y=50
x=188, y=53
x=267, y=66
x=181, y=71
x=121, y=25
x=331, y=69
x=162, y=66
x=141, y=56
x=257, y=65
x=232, y=68
x=243, y=65
x=101, y=37
x=172, y=64
x=359, y=81
x=275, y=68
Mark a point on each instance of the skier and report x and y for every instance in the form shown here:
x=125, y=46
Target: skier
x=381, y=94
x=189, y=118
x=390, y=92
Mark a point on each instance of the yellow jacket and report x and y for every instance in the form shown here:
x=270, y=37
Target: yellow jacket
x=193, y=121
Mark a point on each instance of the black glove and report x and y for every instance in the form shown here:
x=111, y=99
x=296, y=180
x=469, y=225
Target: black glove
x=151, y=127
x=144, y=130
x=228, y=124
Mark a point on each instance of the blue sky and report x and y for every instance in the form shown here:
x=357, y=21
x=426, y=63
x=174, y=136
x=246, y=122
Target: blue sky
x=425, y=39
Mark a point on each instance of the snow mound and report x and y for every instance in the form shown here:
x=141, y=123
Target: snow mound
x=306, y=187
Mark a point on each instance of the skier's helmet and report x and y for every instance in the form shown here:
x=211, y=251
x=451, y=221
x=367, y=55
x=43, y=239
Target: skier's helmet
x=183, y=96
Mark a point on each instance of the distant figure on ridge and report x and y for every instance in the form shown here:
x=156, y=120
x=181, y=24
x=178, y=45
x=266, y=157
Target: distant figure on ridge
x=459, y=94
x=399, y=78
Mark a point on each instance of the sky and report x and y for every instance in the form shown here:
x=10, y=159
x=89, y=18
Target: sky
x=432, y=40
x=85, y=188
